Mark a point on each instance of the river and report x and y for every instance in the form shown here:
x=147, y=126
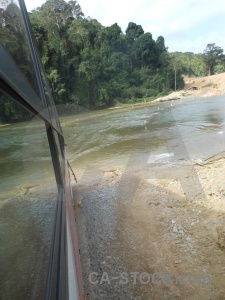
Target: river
x=138, y=136
x=184, y=129
x=190, y=128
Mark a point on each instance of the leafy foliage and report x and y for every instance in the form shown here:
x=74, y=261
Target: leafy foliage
x=97, y=65
x=212, y=55
x=202, y=64
x=91, y=65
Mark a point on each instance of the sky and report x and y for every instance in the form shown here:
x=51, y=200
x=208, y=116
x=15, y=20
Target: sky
x=186, y=25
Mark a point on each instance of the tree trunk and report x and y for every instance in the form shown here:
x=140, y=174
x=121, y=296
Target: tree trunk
x=175, y=79
x=210, y=71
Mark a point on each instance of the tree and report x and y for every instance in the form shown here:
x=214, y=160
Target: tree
x=133, y=31
x=175, y=64
x=88, y=64
x=143, y=50
x=160, y=45
x=191, y=65
x=161, y=51
x=212, y=55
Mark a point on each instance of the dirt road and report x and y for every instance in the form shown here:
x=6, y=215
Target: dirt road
x=137, y=221
x=199, y=87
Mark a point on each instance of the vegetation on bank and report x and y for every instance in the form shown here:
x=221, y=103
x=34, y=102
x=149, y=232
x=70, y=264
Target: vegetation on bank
x=94, y=66
x=211, y=62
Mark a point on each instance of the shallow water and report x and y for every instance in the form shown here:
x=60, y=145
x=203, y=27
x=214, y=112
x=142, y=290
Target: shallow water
x=187, y=129
x=179, y=130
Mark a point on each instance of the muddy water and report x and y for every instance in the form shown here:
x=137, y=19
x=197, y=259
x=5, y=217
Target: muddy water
x=192, y=128
x=125, y=147
x=134, y=137
x=184, y=129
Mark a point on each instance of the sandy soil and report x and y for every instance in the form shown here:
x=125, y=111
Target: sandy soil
x=145, y=220
x=170, y=233
x=167, y=218
x=206, y=87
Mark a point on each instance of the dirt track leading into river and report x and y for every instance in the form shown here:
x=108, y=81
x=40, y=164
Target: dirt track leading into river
x=155, y=216
x=199, y=87
x=135, y=220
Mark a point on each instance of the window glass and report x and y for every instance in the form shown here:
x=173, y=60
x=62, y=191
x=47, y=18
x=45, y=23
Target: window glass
x=27, y=203
x=14, y=41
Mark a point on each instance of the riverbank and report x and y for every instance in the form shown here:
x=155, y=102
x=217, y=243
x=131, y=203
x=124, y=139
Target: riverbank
x=148, y=224
x=207, y=86
x=158, y=209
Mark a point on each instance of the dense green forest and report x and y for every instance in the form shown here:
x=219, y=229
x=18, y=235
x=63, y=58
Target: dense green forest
x=94, y=66
x=212, y=61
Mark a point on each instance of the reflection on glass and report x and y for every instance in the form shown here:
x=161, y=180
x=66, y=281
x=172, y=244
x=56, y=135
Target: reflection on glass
x=27, y=205
x=13, y=38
